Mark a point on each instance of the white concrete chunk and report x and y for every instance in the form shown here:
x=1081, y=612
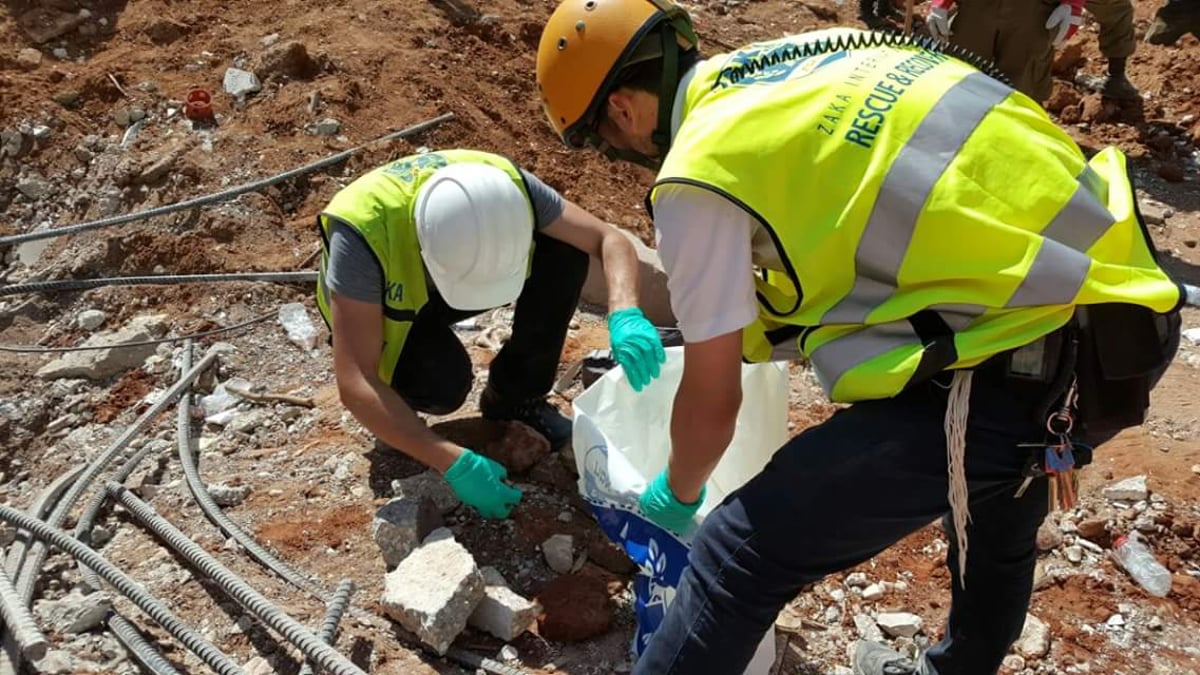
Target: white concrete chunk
x=401, y=525
x=1129, y=490
x=433, y=591
x=1034, y=642
x=502, y=612
x=899, y=624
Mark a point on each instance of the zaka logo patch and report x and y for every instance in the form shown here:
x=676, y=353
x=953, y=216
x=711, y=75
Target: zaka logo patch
x=409, y=168
x=768, y=63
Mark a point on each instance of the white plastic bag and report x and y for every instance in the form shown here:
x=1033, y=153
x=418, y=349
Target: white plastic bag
x=622, y=441
x=300, y=329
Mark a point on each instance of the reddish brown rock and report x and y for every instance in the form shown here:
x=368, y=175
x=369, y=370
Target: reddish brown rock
x=1096, y=531
x=574, y=608
x=1048, y=536
x=1064, y=96
x=1072, y=114
x=1170, y=171
x=514, y=444
x=609, y=556
x=287, y=60
x=1068, y=60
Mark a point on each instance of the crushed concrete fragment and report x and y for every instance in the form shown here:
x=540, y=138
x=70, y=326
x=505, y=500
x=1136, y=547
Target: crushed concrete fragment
x=899, y=624
x=1014, y=663
x=75, y=612
x=559, y=552
x=867, y=629
x=228, y=495
x=241, y=83
x=1034, y=642
x=29, y=58
x=325, y=127
x=401, y=525
x=1129, y=490
x=502, y=612
x=101, y=363
x=1074, y=554
x=427, y=484
x=34, y=186
x=434, y=590
x=872, y=592
x=856, y=580
x=258, y=666
x=91, y=319
x=247, y=422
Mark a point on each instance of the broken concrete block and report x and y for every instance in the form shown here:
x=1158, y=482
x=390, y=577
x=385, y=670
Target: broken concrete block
x=241, y=83
x=433, y=591
x=559, y=552
x=653, y=295
x=1034, y=642
x=502, y=612
x=228, y=495
x=401, y=525
x=1129, y=490
x=428, y=484
x=101, y=363
x=899, y=624
x=75, y=612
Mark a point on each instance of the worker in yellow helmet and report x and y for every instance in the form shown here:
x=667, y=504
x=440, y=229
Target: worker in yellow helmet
x=415, y=245
x=945, y=258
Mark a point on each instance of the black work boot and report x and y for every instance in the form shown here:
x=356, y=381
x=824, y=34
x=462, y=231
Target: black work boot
x=1173, y=20
x=537, y=413
x=1117, y=86
x=875, y=659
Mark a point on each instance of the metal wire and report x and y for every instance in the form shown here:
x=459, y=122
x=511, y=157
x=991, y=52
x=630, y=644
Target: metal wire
x=64, y=285
x=295, y=632
x=153, y=607
x=29, y=349
x=333, y=616
x=19, y=621
x=137, y=645
x=482, y=662
x=221, y=196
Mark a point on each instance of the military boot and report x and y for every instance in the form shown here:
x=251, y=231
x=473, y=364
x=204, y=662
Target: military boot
x=1173, y=20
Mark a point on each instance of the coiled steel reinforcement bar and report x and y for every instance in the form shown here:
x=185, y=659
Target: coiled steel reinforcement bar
x=325, y=656
x=37, y=555
x=63, y=285
x=219, y=196
x=333, y=616
x=39, y=509
x=20, y=621
x=214, y=513
x=137, y=645
x=42, y=531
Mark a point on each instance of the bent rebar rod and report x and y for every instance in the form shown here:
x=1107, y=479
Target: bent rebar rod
x=333, y=616
x=325, y=656
x=152, y=606
x=20, y=621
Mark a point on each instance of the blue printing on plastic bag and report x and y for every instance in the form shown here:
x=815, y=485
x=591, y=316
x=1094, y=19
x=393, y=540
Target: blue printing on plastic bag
x=660, y=558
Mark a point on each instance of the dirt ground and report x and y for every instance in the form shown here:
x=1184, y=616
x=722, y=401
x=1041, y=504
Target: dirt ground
x=316, y=475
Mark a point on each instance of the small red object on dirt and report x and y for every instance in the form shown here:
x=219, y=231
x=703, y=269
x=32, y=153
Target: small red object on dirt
x=198, y=106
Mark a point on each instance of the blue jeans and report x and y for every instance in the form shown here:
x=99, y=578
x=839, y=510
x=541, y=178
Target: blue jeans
x=840, y=493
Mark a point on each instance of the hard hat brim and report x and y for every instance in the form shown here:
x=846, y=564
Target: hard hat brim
x=471, y=297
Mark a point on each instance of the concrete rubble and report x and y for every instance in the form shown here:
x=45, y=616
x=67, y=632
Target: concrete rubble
x=400, y=526
x=75, y=612
x=228, y=495
x=559, y=552
x=1034, y=642
x=101, y=363
x=240, y=83
x=429, y=484
x=91, y=319
x=433, y=592
x=1129, y=490
x=502, y=612
x=899, y=624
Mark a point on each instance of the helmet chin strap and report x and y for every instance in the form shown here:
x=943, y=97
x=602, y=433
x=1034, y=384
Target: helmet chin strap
x=661, y=136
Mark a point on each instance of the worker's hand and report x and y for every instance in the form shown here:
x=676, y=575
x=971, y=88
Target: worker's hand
x=938, y=19
x=478, y=482
x=1065, y=19
x=659, y=504
x=636, y=346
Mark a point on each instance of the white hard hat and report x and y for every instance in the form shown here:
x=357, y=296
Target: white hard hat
x=475, y=227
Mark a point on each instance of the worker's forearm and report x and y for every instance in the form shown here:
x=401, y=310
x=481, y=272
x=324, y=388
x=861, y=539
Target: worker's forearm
x=701, y=428
x=619, y=259
x=386, y=415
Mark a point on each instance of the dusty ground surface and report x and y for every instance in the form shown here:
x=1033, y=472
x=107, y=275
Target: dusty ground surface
x=316, y=476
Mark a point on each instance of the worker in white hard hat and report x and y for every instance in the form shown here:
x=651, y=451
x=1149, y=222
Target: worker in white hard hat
x=416, y=245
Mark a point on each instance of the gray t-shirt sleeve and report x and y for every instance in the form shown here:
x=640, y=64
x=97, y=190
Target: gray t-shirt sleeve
x=547, y=203
x=353, y=270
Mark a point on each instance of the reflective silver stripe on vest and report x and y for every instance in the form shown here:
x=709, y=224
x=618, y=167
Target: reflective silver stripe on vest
x=831, y=360
x=1061, y=264
x=907, y=186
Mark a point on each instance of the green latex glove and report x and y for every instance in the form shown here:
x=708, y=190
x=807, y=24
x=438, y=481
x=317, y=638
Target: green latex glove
x=477, y=481
x=636, y=346
x=659, y=504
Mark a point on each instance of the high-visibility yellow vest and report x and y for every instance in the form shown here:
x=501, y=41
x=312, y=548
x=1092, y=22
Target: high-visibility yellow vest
x=927, y=217
x=379, y=206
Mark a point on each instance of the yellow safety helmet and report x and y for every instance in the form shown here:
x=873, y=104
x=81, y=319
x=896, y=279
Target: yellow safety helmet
x=586, y=44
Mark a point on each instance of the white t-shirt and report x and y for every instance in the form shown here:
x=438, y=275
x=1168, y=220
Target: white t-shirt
x=709, y=247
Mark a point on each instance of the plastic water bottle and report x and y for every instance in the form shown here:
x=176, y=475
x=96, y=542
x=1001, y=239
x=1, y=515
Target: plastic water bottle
x=1137, y=559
